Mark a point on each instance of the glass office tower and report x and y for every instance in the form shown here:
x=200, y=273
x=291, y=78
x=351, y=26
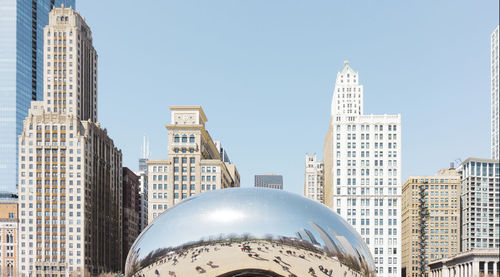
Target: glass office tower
x=21, y=76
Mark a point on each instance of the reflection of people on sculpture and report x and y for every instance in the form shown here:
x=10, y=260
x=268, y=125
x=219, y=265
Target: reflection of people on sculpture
x=200, y=269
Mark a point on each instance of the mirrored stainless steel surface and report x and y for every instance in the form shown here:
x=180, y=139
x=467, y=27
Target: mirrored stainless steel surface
x=249, y=232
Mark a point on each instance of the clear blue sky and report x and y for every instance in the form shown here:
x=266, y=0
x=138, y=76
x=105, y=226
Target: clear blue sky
x=264, y=72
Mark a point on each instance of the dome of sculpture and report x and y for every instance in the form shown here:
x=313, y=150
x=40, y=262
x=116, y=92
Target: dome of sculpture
x=249, y=232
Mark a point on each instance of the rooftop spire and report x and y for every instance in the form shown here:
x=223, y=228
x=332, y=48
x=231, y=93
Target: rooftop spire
x=145, y=154
x=347, y=67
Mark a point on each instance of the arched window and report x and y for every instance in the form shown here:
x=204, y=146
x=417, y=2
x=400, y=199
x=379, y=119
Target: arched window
x=191, y=138
x=176, y=138
x=184, y=138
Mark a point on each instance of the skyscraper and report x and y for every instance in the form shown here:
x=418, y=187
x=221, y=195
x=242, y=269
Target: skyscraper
x=362, y=169
x=313, y=179
x=272, y=181
x=194, y=163
x=70, y=172
x=480, y=199
x=21, y=80
x=143, y=183
x=494, y=95
x=430, y=220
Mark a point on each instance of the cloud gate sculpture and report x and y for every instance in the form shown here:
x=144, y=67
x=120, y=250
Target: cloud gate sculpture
x=249, y=232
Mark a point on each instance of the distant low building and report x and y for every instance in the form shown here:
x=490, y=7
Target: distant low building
x=272, y=181
x=479, y=262
x=8, y=235
x=313, y=179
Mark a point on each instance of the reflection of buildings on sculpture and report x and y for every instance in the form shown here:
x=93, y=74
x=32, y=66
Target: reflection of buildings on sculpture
x=286, y=257
x=8, y=235
x=249, y=231
x=194, y=163
x=479, y=262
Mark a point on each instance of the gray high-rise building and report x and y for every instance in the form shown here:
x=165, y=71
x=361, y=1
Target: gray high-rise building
x=21, y=74
x=143, y=183
x=480, y=199
x=269, y=181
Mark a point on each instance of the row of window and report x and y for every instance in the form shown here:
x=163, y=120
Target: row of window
x=378, y=127
x=365, y=202
x=54, y=183
x=366, y=191
x=390, y=154
x=366, y=172
x=367, y=136
x=160, y=206
x=366, y=212
x=378, y=145
x=207, y=178
x=184, y=160
x=176, y=186
x=366, y=181
x=380, y=260
x=165, y=195
x=367, y=163
x=184, y=138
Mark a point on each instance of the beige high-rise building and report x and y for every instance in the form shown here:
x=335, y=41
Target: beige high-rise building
x=313, y=179
x=8, y=236
x=70, y=66
x=69, y=168
x=430, y=220
x=194, y=164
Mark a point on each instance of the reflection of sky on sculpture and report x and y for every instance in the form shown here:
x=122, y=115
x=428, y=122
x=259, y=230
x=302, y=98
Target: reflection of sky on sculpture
x=254, y=211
